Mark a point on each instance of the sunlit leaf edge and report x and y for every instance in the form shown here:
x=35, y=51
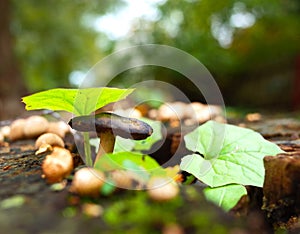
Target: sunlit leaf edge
x=226, y=196
x=70, y=100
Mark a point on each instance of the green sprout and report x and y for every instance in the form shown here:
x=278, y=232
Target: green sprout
x=79, y=102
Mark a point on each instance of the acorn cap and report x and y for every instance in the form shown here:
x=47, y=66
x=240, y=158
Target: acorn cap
x=120, y=126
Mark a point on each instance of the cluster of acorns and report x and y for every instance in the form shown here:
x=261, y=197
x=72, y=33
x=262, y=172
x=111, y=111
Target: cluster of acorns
x=89, y=182
x=59, y=162
x=32, y=127
x=188, y=113
x=49, y=139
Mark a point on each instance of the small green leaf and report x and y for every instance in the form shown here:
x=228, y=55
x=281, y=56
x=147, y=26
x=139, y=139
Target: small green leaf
x=69, y=212
x=108, y=188
x=12, y=202
x=76, y=101
x=122, y=144
x=131, y=166
x=226, y=196
x=231, y=155
x=58, y=186
x=119, y=160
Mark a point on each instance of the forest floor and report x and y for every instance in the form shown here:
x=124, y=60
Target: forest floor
x=29, y=205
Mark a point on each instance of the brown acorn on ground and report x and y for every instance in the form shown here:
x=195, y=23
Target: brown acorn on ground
x=87, y=182
x=57, y=165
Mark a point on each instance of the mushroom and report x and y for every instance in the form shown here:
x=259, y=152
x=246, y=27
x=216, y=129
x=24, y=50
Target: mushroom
x=108, y=126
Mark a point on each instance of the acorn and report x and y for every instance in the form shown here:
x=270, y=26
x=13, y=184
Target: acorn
x=122, y=179
x=57, y=165
x=50, y=139
x=35, y=125
x=59, y=128
x=87, y=181
x=92, y=210
x=1, y=137
x=162, y=189
x=5, y=131
x=171, y=111
x=172, y=228
x=17, y=129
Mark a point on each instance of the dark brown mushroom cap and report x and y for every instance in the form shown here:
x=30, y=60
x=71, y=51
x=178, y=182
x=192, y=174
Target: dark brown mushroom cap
x=118, y=125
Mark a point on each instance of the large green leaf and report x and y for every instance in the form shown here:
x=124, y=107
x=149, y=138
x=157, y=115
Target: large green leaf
x=76, y=101
x=231, y=155
x=226, y=196
x=125, y=160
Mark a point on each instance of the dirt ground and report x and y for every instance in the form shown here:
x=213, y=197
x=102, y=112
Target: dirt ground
x=29, y=205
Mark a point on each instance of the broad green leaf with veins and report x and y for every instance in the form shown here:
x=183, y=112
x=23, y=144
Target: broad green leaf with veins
x=225, y=196
x=231, y=155
x=76, y=101
x=125, y=160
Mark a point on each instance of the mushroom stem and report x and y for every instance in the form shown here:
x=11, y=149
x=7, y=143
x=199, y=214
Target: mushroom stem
x=107, y=143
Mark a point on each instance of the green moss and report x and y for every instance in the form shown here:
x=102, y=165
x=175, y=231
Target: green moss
x=134, y=212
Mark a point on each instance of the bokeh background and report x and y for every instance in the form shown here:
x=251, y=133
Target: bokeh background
x=252, y=48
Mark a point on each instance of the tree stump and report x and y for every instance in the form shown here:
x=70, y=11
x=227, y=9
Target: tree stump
x=282, y=188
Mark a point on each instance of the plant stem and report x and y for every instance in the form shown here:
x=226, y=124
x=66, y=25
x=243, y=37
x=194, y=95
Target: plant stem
x=87, y=149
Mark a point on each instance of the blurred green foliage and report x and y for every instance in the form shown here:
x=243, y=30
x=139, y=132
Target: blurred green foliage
x=135, y=213
x=53, y=38
x=246, y=45
x=274, y=35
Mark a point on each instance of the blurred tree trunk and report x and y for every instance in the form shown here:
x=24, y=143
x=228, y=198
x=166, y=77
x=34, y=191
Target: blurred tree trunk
x=296, y=98
x=11, y=84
